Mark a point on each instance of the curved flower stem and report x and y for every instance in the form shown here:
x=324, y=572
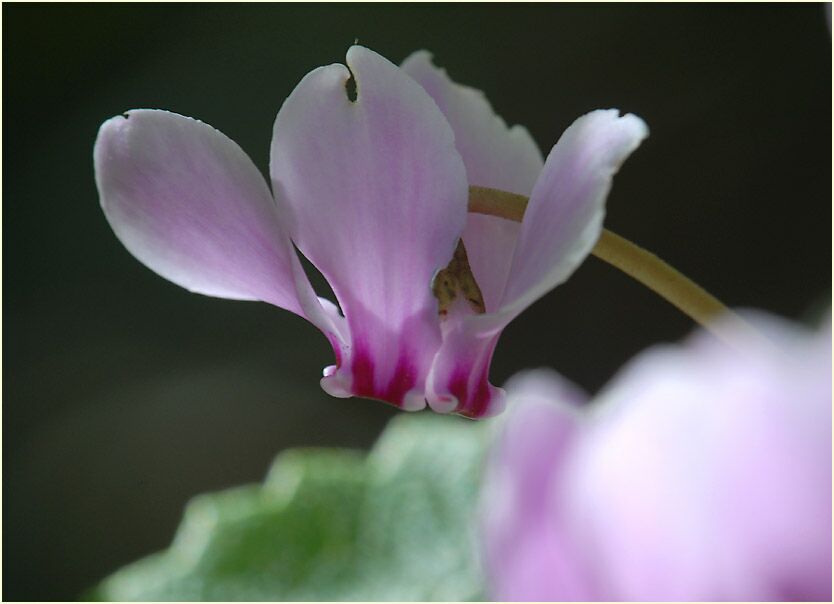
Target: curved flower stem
x=641, y=265
x=660, y=277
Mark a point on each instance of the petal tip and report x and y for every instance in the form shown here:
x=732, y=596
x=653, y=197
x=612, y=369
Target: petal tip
x=414, y=400
x=442, y=403
x=109, y=129
x=358, y=54
x=117, y=121
x=334, y=384
x=628, y=123
x=636, y=125
x=495, y=404
x=419, y=57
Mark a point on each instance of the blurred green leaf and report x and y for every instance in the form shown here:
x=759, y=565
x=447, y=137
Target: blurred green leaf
x=397, y=524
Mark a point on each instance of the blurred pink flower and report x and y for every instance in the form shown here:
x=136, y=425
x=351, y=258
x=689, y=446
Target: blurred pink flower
x=699, y=473
x=374, y=193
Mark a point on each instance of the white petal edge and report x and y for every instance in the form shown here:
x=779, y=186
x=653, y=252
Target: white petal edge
x=564, y=216
x=188, y=203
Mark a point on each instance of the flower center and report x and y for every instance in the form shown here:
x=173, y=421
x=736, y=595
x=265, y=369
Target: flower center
x=457, y=280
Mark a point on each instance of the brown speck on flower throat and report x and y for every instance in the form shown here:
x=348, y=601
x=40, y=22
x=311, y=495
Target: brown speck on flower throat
x=457, y=279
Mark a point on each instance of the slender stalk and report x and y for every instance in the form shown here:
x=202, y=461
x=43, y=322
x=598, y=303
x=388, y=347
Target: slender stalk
x=641, y=265
x=660, y=277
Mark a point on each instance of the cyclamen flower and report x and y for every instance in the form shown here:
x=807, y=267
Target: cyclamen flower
x=374, y=193
x=699, y=473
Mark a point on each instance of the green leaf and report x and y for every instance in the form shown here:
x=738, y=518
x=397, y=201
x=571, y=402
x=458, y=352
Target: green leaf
x=397, y=524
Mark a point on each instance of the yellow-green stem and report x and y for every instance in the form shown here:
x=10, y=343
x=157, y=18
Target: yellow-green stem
x=643, y=266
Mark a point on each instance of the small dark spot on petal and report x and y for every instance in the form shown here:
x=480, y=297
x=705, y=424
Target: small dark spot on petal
x=350, y=88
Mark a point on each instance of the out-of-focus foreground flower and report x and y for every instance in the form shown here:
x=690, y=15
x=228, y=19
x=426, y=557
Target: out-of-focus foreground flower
x=374, y=193
x=701, y=472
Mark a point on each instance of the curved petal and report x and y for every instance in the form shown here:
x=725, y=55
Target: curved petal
x=490, y=242
x=459, y=378
x=564, y=216
x=736, y=451
x=378, y=195
x=561, y=225
x=702, y=472
x=495, y=156
x=189, y=204
x=531, y=551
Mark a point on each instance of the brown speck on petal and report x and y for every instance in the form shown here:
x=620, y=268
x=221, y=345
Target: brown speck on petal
x=457, y=278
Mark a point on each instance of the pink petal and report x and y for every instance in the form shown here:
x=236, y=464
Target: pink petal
x=499, y=157
x=191, y=205
x=561, y=225
x=489, y=242
x=459, y=377
x=708, y=474
x=378, y=195
x=702, y=472
x=495, y=155
x=564, y=217
x=530, y=553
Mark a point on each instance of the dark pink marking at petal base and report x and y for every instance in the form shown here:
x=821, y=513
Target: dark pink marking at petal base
x=403, y=380
x=363, y=373
x=476, y=405
x=459, y=387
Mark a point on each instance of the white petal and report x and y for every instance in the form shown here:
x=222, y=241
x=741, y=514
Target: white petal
x=564, y=216
x=190, y=204
x=378, y=194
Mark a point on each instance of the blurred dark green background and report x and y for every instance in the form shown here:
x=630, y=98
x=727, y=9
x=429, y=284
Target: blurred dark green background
x=123, y=395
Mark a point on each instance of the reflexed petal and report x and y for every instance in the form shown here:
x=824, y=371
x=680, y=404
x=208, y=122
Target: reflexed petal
x=561, y=225
x=378, y=195
x=564, y=217
x=191, y=205
x=495, y=155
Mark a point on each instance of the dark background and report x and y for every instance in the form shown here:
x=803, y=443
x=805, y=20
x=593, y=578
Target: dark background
x=123, y=395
